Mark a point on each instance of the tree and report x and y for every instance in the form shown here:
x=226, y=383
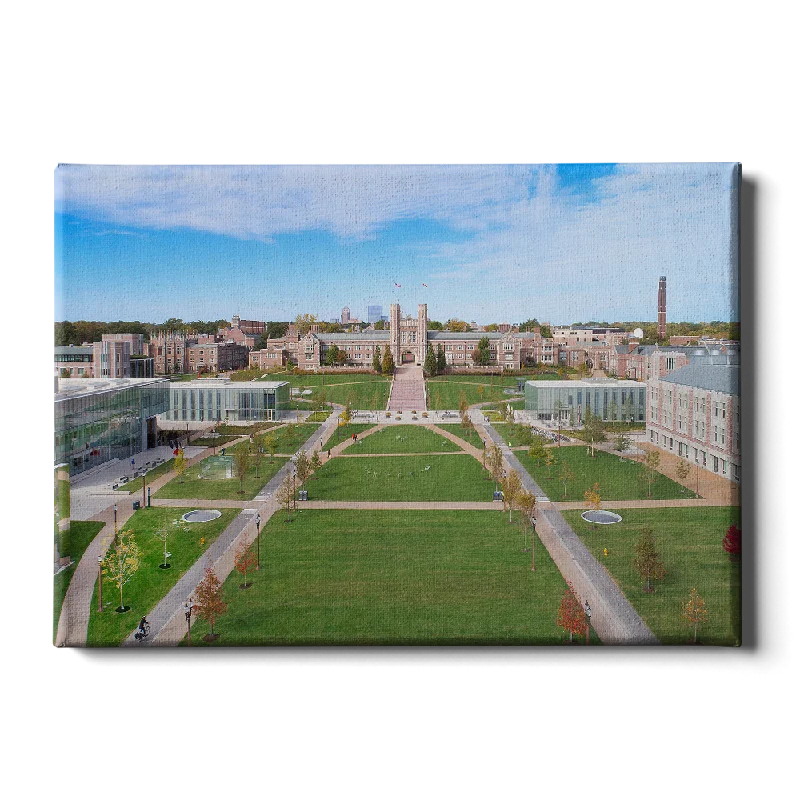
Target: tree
x=208, y=602
x=270, y=442
x=122, y=562
x=456, y=325
x=302, y=466
x=649, y=469
x=244, y=560
x=467, y=424
x=344, y=416
x=162, y=534
x=481, y=389
x=303, y=322
x=628, y=410
x=482, y=354
x=430, y=362
x=433, y=325
x=526, y=504
x=387, y=364
x=732, y=543
x=647, y=561
x=558, y=407
x=571, y=615
x=694, y=611
x=565, y=476
x=512, y=488
x=441, y=360
x=537, y=451
x=376, y=359
x=241, y=463
x=622, y=443
x=180, y=465
x=285, y=495
x=592, y=499
x=463, y=405
x=612, y=411
x=332, y=356
x=258, y=454
x=315, y=463
x=549, y=461
x=682, y=470
x=494, y=459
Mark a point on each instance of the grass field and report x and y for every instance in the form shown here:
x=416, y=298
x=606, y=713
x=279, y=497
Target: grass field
x=512, y=434
x=289, y=439
x=367, y=577
x=80, y=536
x=689, y=541
x=363, y=391
x=455, y=477
x=136, y=484
x=517, y=404
x=404, y=439
x=244, y=430
x=344, y=432
x=618, y=478
x=446, y=394
x=226, y=489
x=471, y=436
x=213, y=441
x=150, y=583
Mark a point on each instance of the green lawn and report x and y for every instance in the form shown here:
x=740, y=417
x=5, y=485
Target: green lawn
x=471, y=436
x=227, y=489
x=344, y=432
x=446, y=394
x=213, y=441
x=289, y=439
x=150, y=583
x=373, y=395
x=245, y=430
x=136, y=484
x=517, y=404
x=513, y=433
x=487, y=380
x=618, y=478
x=80, y=536
x=368, y=577
x=455, y=477
x=313, y=380
x=689, y=541
x=318, y=416
x=404, y=439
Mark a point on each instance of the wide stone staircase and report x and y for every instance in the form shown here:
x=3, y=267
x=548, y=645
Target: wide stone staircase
x=408, y=389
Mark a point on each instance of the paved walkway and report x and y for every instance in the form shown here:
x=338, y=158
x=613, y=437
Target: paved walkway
x=515, y=464
x=408, y=389
x=433, y=505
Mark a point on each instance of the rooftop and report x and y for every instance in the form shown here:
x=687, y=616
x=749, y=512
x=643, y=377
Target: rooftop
x=81, y=387
x=588, y=383
x=723, y=378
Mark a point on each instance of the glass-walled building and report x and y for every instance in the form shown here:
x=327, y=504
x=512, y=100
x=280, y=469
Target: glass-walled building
x=215, y=400
x=98, y=419
x=608, y=399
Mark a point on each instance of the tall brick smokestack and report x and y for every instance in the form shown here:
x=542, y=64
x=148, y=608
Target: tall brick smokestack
x=662, y=307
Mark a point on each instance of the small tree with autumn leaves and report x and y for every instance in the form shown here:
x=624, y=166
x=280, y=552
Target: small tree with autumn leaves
x=565, y=475
x=302, y=466
x=244, y=561
x=258, y=455
x=649, y=469
x=179, y=465
x=571, y=615
x=732, y=543
x=526, y=505
x=208, y=602
x=511, y=486
x=241, y=463
x=270, y=442
x=592, y=499
x=682, y=470
x=315, y=463
x=122, y=563
x=285, y=495
x=694, y=612
x=647, y=561
x=494, y=462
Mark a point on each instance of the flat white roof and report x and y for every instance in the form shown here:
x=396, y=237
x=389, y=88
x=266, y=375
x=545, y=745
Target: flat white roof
x=589, y=383
x=76, y=387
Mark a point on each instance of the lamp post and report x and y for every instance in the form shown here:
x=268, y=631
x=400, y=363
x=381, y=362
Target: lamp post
x=187, y=611
x=258, y=541
x=588, y=610
x=115, y=520
x=99, y=583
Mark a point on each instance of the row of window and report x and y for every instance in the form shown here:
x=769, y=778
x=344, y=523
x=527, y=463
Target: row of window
x=718, y=464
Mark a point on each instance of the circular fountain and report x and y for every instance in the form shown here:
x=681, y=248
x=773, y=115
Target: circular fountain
x=201, y=515
x=601, y=517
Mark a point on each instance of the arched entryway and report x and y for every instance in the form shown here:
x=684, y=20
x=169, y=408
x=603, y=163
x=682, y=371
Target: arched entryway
x=408, y=357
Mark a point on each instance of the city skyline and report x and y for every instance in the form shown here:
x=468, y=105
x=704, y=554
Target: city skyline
x=562, y=243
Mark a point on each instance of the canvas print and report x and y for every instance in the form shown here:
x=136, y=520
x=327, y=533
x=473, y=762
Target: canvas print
x=397, y=405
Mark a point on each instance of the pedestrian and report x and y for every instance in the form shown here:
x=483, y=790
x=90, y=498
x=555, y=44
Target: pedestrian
x=329, y=452
x=355, y=437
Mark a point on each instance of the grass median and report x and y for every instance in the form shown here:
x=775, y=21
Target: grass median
x=689, y=542
x=370, y=577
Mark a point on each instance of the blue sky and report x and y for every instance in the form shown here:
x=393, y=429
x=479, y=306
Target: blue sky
x=493, y=243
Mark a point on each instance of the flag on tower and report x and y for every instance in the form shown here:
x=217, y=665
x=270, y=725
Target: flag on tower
x=398, y=286
x=425, y=285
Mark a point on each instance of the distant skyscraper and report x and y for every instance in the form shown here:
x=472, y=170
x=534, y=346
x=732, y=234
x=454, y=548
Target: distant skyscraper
x=374, y=313
x=345, y=315
x=662, y=307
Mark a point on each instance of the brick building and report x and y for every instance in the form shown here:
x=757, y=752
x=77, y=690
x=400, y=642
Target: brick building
x=694, y=413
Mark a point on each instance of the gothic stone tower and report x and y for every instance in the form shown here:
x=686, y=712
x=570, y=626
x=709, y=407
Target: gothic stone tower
x=408, y=338
x=662, y=307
